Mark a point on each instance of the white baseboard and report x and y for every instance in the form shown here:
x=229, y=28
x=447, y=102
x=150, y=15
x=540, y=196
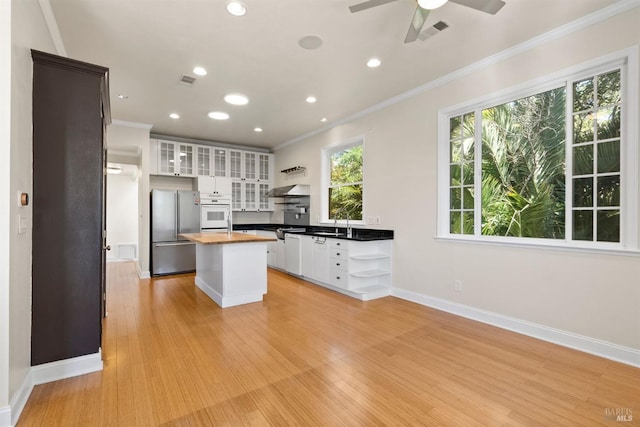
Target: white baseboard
x=583, y=343
x=67, y=368
x=142, y=274
x=5, y=416
x=47, y=372
x=19, y=399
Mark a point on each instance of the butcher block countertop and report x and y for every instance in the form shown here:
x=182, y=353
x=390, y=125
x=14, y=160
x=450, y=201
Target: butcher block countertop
x=222, y=238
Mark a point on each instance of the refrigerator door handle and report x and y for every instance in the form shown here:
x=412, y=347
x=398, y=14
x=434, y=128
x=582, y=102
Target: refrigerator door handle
x=161, y=245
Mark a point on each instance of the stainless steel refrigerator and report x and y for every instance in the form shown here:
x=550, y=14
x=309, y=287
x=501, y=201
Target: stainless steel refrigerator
x=173, y=213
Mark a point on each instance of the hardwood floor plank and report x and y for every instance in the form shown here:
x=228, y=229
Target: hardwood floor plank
x=309, y=356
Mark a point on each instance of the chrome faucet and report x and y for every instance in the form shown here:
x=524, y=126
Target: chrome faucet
x=335, y=221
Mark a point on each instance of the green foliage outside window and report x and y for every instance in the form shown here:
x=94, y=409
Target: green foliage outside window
x=523, y=162
x=345, y=187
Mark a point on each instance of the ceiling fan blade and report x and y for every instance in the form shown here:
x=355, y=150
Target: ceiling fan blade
x=368, y=4
x=417, y=22
x=487, y=6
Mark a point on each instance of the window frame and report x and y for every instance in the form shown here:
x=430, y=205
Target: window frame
x=627, y=61
x=325, y=174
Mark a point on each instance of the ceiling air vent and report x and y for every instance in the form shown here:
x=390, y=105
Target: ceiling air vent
x=187, y=80
x=433, y=30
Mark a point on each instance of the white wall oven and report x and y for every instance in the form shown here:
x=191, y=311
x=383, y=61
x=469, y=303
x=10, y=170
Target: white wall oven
x=215, y=212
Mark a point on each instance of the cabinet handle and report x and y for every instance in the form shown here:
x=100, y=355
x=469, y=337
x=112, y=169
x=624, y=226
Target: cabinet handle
x=338, y=244
x=338, y=254
x=338, y=277
x=338, y=264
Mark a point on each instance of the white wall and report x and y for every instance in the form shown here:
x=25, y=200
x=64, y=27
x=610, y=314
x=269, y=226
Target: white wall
x=593, y=295
x=122, y=212
x=5, y=194
x=28, y=31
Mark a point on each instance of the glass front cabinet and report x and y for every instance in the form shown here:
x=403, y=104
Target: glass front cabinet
x=251, y=172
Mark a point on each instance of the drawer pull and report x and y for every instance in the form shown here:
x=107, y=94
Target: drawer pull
x=338, y=277
x=338, y=254
x=337, y=263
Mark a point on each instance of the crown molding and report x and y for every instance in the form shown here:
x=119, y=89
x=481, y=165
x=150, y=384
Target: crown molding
x=52, y=25
x=557, y=33
x=132, y=124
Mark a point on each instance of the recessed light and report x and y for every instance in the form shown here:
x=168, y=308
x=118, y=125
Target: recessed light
x=218, y=115
x=323, y=120
x=236, y=8
x=257, y=129
x=311, y=99
x=122, y=96
x=174, y=115
x=200, y=71
x=373, y=63
x=236, y=99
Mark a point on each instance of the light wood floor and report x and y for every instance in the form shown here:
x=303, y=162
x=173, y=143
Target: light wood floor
x=309, y=356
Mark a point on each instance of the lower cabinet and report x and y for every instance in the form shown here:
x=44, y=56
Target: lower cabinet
x=359, y=269
x=271, y=246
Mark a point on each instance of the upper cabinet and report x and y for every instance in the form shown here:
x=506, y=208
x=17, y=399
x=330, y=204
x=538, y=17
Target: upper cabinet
x=211, y=161
x=251, y=172
x=173, y=158
x=250, y=165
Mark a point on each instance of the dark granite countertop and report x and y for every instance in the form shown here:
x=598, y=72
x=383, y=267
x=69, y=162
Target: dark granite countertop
x=357, y=234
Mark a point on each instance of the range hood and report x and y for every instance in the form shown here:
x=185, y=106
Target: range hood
x=289, y=191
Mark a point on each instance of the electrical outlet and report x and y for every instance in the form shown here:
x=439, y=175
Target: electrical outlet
x=377, y=220
x=457, y=285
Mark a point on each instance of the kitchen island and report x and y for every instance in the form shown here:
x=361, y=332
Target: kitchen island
x=231, y=268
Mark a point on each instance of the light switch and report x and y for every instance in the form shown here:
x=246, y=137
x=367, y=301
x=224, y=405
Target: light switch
x=22, y=224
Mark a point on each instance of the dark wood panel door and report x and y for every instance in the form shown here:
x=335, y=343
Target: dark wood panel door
x=68, y=204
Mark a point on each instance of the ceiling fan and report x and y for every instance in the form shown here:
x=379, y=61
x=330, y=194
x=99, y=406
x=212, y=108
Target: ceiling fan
x=425, y=6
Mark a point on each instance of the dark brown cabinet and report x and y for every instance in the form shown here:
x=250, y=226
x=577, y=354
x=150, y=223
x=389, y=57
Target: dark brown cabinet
x=70, y=112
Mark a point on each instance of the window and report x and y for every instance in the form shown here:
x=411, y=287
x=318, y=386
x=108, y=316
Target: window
x=543, y=165
x=343, y=181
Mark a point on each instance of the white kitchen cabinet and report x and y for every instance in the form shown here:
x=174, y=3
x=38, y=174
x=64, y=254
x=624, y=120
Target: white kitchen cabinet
x=250, y=165
x=216, y=185
x=271, y=246
x=249, y=160
x=203, y=161
x=211, y=161
x=358, y=265
x=315, y=258
x=265, y=167
x=220, y=164
x=264, y=203
x=175, y=158
x=355, y=268
x=235, y=164
x=250, y=196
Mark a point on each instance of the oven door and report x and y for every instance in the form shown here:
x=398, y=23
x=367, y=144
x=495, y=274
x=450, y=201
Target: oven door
x=214, y=216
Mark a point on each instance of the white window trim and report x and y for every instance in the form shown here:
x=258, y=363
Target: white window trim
x=325, y=176
x=630, y=161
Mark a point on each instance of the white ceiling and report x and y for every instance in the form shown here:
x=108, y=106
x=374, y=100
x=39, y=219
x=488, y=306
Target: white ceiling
x=149, y=44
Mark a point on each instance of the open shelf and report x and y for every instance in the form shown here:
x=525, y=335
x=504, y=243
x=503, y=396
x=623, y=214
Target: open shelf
x=367, y=257
x=371, y=273
x=294, y=169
